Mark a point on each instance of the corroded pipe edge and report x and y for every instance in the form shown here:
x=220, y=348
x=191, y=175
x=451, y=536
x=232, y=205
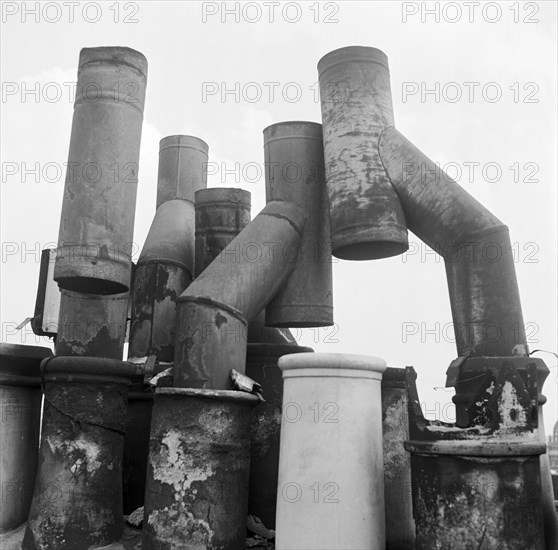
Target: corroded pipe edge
x=88, y=370
x=208, y=302
x=20, y=365
x=167, y=261
x=221, y=395
x=484, y=448
x=114, y=55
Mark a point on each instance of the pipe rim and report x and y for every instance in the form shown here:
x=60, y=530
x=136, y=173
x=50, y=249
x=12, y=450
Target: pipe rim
x=222, y=395
x=338, y=361
x=487, y=448
x=114, y=55
x=183, y=141
x=20, y=364
x=222, y=196
x=349, y=54
x=314, y=130
x=67, y=368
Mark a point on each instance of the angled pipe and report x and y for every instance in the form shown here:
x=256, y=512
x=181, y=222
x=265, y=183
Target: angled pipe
x=214, y=310
x=474, y=243
x=97, y=219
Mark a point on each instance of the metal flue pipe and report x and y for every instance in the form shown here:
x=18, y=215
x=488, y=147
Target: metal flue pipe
x=474, y=243
x=214, y=310
x=367, y=221
x=97, y=220
x=294, y=161
x=166, y=263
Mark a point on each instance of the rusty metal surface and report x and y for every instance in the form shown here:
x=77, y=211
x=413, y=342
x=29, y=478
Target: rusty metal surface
x=221, y=214
x=475, y=246
x=197, y=483
x=92, y=325
x=136, y=446
x=97, y=220
x=77, y=502
x=400, y=526
x=156, y=289
x=367, y=221
x=211, y=341
x=182, y=168
x=479, y=487
x=294, y=161
x=212, y=313
x=20, y=416
x=265, y=430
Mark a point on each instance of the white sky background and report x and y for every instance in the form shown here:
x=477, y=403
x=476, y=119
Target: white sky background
x=376, y=301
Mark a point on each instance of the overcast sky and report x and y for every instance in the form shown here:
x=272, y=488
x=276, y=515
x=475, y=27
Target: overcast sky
x=498, y=139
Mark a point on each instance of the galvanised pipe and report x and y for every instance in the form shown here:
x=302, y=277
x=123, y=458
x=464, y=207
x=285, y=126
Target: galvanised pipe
x=97, y=220
x=367, y=221
x=92, y=325
x=197, y=481
x=294, y=161
x=265, y=433
x=77, y=502
x=221, y=214
x=474, y=243
x=182, y=168
x=164, y=269
x=400, y=526
x=20, y=401
x=214, y=310
x=331, y=480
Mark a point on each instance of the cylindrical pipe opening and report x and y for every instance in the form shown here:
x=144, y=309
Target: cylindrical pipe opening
x=367, y=221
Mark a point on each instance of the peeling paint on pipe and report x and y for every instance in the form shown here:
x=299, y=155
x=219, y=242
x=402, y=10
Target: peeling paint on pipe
x=91, y=325
x=197, y=482
x=77, y=502
x=97, y=220
x=182, y=168
x=474, y=243
x=367, y=221
x=213, y=311
x=165, y=268
x=294, y=161
x=20, y=399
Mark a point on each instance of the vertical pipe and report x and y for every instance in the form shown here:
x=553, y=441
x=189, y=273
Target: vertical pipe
x=197, y=482
x=400, y=527
x=90, y=325
x=367, y=221
x=97, y=220
x=294, y=161
x=182, y=168
x=166, y=263
x=331, y=483
x=20, y=400
x=221, y=214
x=77, y=502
